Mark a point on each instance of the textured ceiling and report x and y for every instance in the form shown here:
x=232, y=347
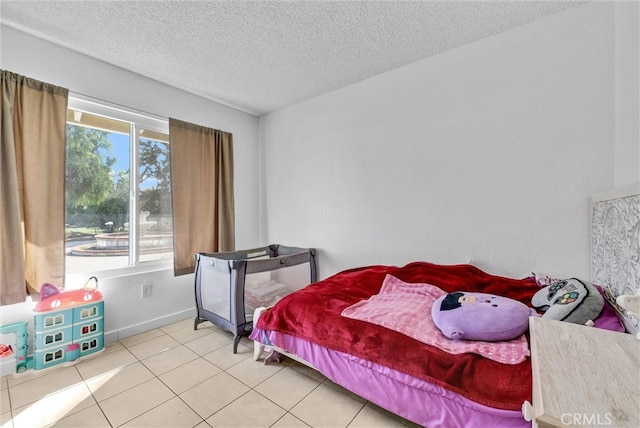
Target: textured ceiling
x=260, y=56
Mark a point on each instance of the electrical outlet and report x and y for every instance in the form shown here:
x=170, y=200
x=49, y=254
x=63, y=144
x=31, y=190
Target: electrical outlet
x=146, y=289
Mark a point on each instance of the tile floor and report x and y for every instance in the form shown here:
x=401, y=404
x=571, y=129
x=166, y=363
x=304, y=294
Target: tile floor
x=176, y=376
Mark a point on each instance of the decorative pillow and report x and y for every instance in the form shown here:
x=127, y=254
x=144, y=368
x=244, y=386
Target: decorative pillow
x=569, y=300
x=480, y=316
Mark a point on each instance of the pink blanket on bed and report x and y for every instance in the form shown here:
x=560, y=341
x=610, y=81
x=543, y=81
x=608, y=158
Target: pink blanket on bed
x=406, y=308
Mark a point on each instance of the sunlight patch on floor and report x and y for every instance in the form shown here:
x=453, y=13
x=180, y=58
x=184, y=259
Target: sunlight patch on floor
x=54, y=407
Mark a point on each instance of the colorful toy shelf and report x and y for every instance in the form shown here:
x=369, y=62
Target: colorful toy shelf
x=14, y=345
x=68, y=325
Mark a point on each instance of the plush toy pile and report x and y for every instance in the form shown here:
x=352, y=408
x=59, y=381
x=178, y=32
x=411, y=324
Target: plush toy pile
x=478, y=316
x=569, y=300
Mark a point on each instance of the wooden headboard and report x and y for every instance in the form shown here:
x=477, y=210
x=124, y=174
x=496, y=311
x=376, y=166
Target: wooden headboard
x=615, y=249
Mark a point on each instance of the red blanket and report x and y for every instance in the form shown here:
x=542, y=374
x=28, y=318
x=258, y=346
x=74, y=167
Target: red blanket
x=313, y=314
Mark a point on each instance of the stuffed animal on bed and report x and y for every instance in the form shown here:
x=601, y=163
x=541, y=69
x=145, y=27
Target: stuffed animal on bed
x=569, y=300
x=480, y=316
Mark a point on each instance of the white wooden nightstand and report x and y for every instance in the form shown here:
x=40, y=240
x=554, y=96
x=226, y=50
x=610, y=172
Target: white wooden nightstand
x=583, y=376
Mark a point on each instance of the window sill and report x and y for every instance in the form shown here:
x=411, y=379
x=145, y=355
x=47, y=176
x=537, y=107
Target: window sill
x=77, y=279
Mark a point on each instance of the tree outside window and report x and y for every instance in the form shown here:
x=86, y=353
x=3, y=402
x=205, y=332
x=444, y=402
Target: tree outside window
x=101, y=195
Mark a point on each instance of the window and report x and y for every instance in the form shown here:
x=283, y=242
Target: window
x=54, y=320
x=89, y=345
x=53, y=338
x=53, y=356
x=89, y=312
x=115, y=219
x=90, y=328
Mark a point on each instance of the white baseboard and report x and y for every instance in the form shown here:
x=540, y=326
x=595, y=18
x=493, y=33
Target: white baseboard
x=7, y=366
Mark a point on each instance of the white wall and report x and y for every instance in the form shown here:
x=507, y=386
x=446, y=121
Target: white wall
x=488, y=152
x=126, y=313
x=627, y=88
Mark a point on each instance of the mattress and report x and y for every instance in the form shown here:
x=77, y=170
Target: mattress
x=414, y=399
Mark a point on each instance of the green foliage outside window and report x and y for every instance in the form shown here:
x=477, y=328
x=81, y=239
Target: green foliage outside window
x=95, y=194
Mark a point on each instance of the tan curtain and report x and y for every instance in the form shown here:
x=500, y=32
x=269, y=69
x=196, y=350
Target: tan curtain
x=32, y=153
x=201, y=192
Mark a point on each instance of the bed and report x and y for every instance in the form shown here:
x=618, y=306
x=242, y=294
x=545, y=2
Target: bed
x=416, y=380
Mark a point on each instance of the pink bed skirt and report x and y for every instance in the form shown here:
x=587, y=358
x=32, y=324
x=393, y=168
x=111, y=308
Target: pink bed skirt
x=414, y=399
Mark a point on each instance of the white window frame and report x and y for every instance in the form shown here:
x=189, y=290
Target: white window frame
x=139, y=120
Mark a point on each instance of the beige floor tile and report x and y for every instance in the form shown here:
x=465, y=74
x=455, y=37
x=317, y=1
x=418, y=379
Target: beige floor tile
x=53, y=407
x=289, y=421
x=97, y=354
x=42, y=385
x=250, y=410
x=153, y=346
x=226, y=333
x=4, y=383
x=5, y=420
x=253, y=372
x=91, y=417
x=225, y=358
x=187, y=334
x=311, y=372
x=135, y=401
x=343, y=390
x=208, y=343
x=287, y=387
x=244, y=340
x=168, y=360
x=29, y=375
x=189, y=375
x=142, y=337
x=105, y=363
x=17, y=379
x=118, y=380
x=208, y=397
x=245, y=347
x=173, y=413
x=182, y=324
x=5, y=404
x=113, y=346
x=326, y=407
x=371, y=418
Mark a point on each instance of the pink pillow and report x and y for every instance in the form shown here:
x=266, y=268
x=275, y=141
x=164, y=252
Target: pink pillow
x=480, y=316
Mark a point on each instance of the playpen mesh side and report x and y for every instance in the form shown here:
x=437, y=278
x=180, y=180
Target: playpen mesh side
x=216, y=292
